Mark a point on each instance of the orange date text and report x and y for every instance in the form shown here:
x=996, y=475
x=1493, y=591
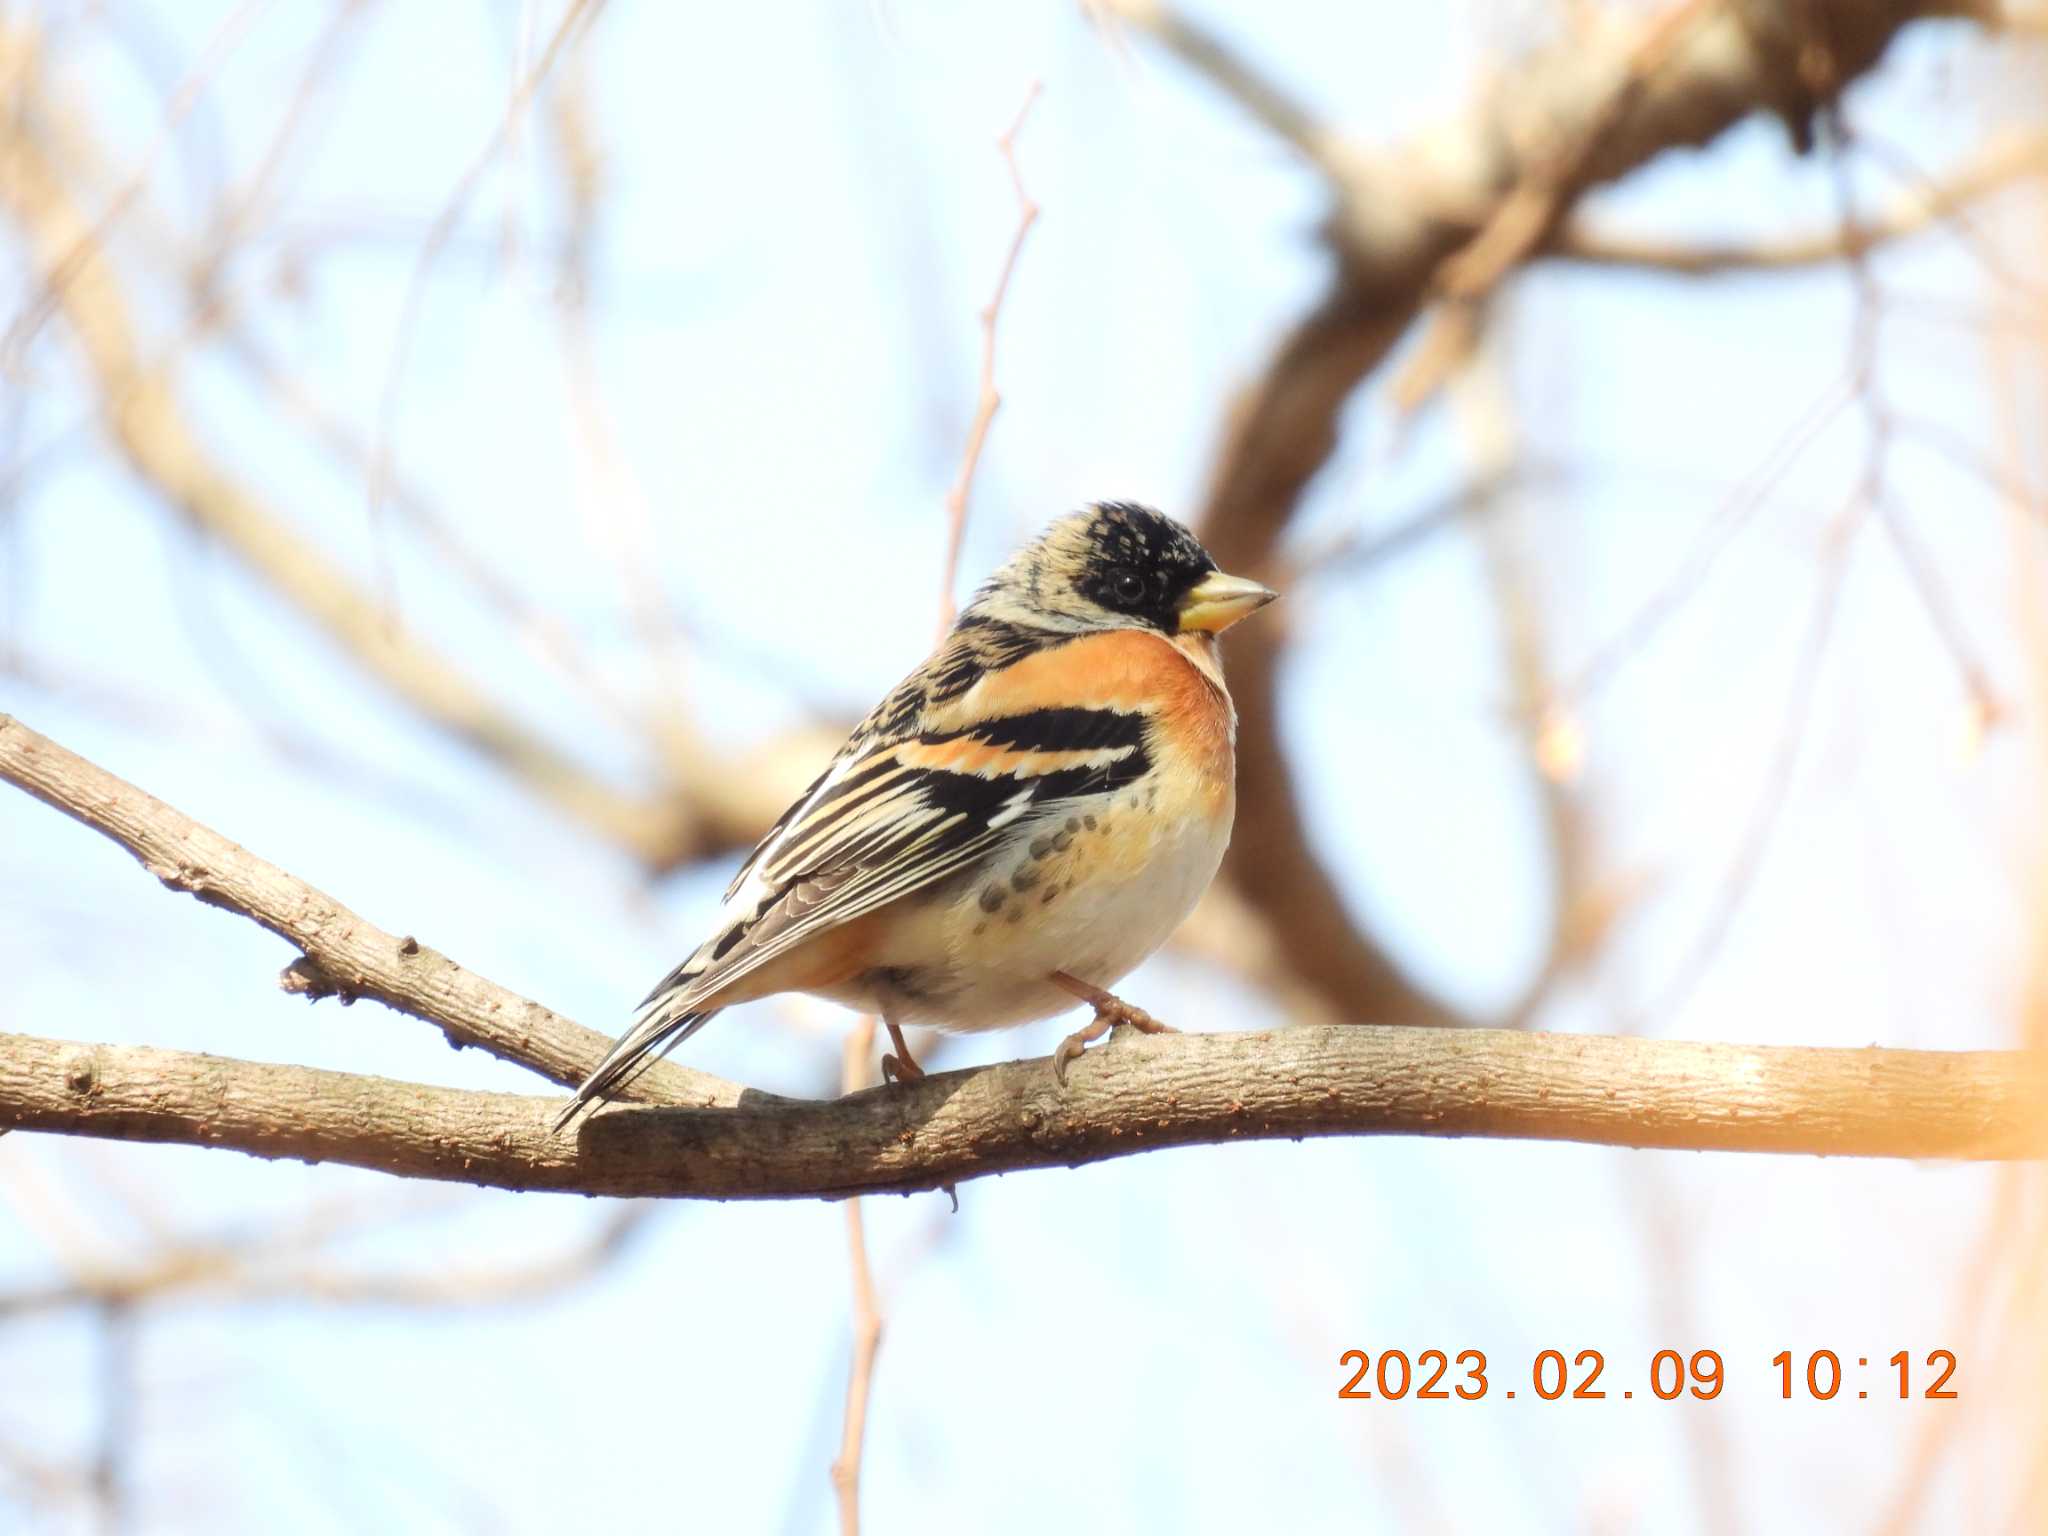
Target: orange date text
x=1553, y=1375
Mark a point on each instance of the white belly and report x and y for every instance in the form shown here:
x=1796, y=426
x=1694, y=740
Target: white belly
x=1091, y=893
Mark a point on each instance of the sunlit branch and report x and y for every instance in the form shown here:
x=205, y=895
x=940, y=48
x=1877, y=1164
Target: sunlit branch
x=1138, y=1095
x=341, y=954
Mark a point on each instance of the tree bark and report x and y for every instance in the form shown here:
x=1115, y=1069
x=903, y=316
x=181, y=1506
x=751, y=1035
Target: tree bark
x=736, y=1142
x=1136, y=1095
x=341, y=954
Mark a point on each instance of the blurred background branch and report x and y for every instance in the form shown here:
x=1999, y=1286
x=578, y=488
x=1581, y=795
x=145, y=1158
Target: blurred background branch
x=484, y=460
x=1611, y=95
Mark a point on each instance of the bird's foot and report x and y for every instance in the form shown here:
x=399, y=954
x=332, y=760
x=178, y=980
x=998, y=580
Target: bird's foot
x=1111, y=1012
x=900, y=1069
x=899, y=1066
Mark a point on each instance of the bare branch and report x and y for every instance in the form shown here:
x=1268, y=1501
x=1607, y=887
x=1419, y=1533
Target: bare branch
x=575, y=15
x=342, y=954
x=1268, y=102
x=950, y=1127
x=988, y=399
x=867, y=1315
x=1523, y=219
x=260, y=1269
x=146, y=419
x=86, y=242
x=1526, y=215
x=1397, y=219
x=1776, y=790
x=1921, y=209
x=1137, y=1095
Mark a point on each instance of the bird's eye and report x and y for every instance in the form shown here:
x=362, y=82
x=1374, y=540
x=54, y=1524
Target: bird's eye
x=1128, y=585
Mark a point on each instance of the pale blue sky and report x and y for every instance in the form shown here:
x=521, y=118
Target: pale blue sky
x=804, y=211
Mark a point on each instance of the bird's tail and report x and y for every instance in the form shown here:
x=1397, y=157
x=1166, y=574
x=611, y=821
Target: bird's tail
x=654, y=1033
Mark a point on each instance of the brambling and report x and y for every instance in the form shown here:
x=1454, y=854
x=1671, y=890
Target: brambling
x=1021, y=821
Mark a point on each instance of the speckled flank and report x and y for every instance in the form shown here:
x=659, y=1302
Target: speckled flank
x=1104, y=883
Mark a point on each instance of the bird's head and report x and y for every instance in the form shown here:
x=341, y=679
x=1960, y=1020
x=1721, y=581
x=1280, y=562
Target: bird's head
x=1118, y=565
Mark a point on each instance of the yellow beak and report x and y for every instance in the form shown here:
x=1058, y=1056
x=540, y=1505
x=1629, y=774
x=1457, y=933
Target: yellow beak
x=1218, y=601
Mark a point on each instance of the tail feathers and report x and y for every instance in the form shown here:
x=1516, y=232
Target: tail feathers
x=653, y=1035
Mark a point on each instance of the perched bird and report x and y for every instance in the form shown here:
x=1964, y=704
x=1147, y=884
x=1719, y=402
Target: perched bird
x=1020, y=822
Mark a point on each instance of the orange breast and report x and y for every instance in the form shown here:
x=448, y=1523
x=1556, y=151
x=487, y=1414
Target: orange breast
x=1174, y=682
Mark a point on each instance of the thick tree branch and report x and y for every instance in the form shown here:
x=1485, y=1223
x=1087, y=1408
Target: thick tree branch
x=1135, y=1095
x=343, y=954
x=1580, y=113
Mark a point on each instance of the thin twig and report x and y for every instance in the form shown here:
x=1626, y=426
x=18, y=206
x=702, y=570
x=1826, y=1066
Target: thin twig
x=1986, y=710
x=1481, y=405
x=576, y=13
x=231, y=223
x=1922, y=208
x=541, y=634
x=91, y=241
x=262, y=1268
x=114, y=1448
x=1710, y=544
x=142, y=411
x=618, y=509
x=1945, y=443
x=1395, y=219
x=867, y=1316
x=1961, y=218
x=1792, y=732
x=989, y=400
x=1266, y=100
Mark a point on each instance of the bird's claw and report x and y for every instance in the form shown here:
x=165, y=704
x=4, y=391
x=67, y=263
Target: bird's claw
x=1110, y=1013
x=1071, y=1047
x=900, y=1069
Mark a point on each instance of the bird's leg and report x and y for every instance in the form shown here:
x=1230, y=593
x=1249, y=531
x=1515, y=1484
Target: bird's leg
x=1110, y=1011
x=899, y=1066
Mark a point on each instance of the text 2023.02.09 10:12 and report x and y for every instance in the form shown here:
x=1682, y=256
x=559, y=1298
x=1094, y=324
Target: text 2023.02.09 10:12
x=1435, y=1375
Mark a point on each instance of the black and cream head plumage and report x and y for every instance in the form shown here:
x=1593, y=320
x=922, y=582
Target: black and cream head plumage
x=1116, y=565
x=1018, y=823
